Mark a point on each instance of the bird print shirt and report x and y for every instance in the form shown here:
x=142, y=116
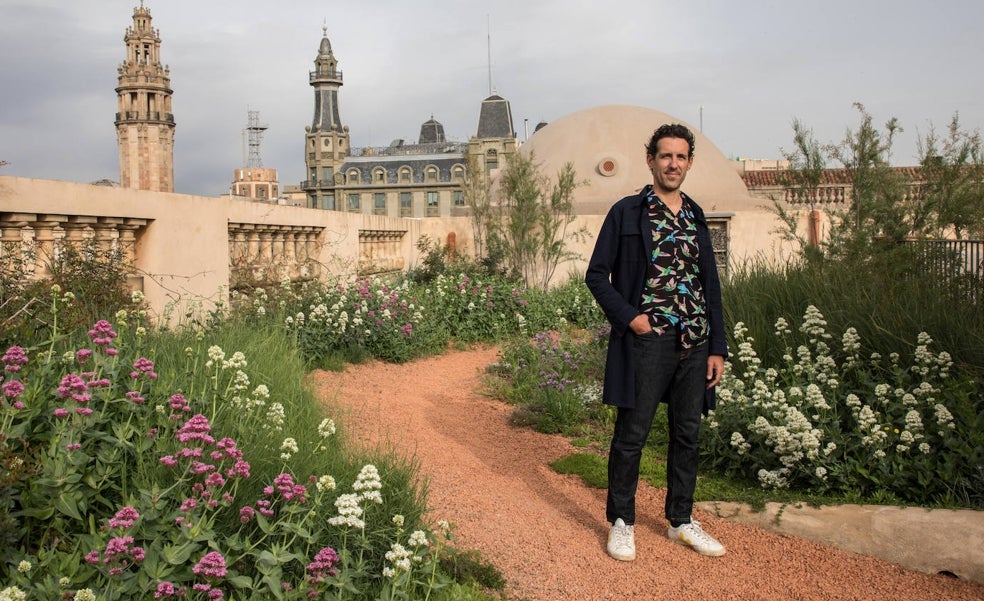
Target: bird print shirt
x=673, y=297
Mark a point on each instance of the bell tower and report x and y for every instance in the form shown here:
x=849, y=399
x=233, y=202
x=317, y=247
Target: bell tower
x=144, y=122
x=326, y=140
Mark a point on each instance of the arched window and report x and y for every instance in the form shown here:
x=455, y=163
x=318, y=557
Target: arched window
x=353, y=176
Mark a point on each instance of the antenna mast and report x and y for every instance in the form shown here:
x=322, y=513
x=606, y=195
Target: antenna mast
x=488, y=25
x=255, y=137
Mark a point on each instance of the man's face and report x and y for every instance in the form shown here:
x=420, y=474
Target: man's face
x=670, y=165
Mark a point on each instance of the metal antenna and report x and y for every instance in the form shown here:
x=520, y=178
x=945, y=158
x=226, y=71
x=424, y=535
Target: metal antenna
x=255, y=137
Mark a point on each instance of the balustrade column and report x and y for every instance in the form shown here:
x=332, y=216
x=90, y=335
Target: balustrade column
x=12, y=238
x=44, y=243
x=290, y=253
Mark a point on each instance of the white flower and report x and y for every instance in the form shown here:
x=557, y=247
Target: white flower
x=288, y=448
x=418, y=538
x=12, y=593
x=398, y=520
x=349, y=512
x=326, y=428
x=24, y=567
x=325, y=483
x=85, y=594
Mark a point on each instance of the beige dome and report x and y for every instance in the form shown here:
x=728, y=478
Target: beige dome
x=606, y=144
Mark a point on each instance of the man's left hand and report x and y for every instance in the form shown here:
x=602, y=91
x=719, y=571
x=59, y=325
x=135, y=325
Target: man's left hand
x=715, y=368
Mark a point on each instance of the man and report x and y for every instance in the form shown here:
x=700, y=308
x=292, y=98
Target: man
x=654, y=275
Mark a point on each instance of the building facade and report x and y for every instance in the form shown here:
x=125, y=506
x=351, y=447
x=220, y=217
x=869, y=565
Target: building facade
x=411, y=180
x=144, y=122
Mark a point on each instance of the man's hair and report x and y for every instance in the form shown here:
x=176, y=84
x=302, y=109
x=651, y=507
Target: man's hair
x=670, y=130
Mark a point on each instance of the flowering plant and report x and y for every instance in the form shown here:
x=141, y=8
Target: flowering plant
x=833, y=420
x=138, y=470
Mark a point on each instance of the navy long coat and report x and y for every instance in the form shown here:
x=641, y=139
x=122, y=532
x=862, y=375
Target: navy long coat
x=616, y=275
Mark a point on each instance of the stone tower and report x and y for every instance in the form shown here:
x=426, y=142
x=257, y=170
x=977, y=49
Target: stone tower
x=144, y=122
x=326, y=140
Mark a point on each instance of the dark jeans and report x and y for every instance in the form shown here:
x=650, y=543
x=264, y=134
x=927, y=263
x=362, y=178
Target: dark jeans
x=664, y=372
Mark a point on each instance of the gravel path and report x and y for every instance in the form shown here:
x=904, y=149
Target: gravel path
x=546, y=532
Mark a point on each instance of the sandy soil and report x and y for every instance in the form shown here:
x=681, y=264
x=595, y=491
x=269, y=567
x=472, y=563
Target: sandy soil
x=546, y=532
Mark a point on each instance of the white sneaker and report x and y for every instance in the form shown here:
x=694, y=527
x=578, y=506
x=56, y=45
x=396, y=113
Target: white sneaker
x=621, y=541
x=694, y=537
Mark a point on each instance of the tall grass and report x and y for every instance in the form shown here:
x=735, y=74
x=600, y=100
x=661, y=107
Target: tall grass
x=889, y=303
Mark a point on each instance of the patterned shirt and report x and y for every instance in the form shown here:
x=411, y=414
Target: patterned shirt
x=673, y=296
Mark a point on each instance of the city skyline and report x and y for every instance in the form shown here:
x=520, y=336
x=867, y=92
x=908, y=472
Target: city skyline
x=742, y=70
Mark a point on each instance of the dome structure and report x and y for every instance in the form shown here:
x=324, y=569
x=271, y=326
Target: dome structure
x=606, y=144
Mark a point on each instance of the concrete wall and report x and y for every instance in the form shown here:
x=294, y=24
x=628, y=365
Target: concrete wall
x=186, y=247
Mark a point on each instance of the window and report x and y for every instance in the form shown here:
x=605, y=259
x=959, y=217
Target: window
x=379, y=176
x=432, y=204
x=353, y=202
x=379, y=203
x=353, y=176
x=431, y=174
x=312, y=202
x=328, y=202
x=327, y=173
x=491, y=159
x=458, y=172
x=459, y=198
x=261, y=192
x=327, y=142
x=406, y=204
x=405, y=174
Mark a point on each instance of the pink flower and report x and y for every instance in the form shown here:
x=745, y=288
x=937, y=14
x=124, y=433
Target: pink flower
x=246, y=514
x=83, y=411
x=124, y=518
x=164, y=589
x=196, y=428
x=73, y=446
x=134, y=396
x=72, y=386
x=82, y=355
x=12, y=389
x=143, y=366
x=102, y=333
x=14, y=358
x=213, y=565
x=61, y=412
x=169, y=461
x=323, y=566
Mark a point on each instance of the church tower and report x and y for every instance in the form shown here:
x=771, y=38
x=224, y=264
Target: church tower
x=144, y=122
x=326, y=140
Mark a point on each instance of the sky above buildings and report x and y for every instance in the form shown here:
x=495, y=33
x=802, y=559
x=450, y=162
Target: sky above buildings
x=740, y=71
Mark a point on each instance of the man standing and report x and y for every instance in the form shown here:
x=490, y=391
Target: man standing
x=654, y=275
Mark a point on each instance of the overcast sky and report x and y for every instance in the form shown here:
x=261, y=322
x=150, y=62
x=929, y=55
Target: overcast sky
x=752, y=65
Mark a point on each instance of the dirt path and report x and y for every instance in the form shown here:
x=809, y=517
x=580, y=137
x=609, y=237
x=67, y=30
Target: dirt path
x=546, y=532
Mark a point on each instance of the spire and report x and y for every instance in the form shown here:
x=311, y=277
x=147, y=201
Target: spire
x=326, y=79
